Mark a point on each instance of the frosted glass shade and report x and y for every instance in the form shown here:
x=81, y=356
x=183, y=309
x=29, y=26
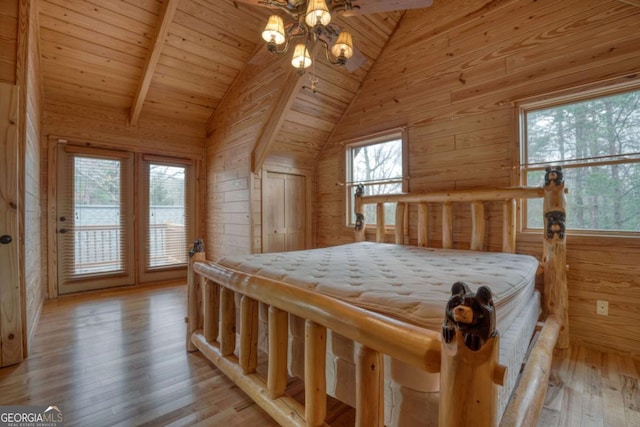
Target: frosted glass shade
x=343, y=46
x=301, y=58
x=317, y=13
x=274, y=31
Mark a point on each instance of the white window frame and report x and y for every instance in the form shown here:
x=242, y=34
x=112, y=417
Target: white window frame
x=546, y=102
x=386, y=136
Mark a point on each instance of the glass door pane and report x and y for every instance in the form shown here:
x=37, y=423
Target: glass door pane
x=167, y=216
x=94, y=220
x=98, y=214
x=166, y=204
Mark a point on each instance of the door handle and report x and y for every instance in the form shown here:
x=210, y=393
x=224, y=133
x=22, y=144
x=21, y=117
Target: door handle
x=63, y=231
x=6, y=239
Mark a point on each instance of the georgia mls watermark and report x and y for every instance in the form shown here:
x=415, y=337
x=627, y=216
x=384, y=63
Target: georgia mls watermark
x=31, y=416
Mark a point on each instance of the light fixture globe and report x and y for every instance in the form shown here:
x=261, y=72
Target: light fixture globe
x=311, y=28
x=343, y=48
x=274, y=30
x=301, y=58
x=317, y=13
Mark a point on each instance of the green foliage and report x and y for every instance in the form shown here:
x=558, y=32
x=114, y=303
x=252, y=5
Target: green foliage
x=597, y=142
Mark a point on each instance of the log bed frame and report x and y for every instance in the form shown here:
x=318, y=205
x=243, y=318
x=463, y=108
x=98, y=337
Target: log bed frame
x=468, y=379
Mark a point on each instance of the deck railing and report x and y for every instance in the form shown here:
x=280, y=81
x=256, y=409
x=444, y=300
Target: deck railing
x=100, y=248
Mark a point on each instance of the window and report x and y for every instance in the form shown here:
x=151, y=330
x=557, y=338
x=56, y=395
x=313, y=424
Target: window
x=597, y=142
x=378, y=163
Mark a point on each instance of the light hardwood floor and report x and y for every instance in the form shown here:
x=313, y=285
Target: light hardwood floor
x=118, y=358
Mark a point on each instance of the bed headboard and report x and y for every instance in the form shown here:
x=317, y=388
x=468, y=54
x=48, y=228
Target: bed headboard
x=446, y=199
x=553, y=212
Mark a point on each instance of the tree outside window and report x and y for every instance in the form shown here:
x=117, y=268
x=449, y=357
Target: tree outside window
x=597, y=142
x=378, y=165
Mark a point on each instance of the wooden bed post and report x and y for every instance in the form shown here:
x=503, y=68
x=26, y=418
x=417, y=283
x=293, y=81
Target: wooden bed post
x=278, y=340
x=470, y=372
x=447, y=225
x=248, y=334
x=423, y=224
x=315, y=381
x=359, y=211
x=369, y=388
x=193, y=303
x=227, y=321
x=509, y=226
x=556, y=294
x=211, y=310
x=379, y=222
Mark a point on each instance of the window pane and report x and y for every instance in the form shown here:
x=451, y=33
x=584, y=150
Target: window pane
x=167, y=235
x=598, y=143
x=377, y=161
x=596, y=128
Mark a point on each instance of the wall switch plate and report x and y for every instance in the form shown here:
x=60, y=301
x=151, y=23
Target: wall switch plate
x=602, y=308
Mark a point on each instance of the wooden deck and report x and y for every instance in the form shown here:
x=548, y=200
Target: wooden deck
x=118, y=358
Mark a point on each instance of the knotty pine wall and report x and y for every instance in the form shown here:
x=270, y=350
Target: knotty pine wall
x=234, y=193
x=31, y=100
x=452, y=74
x=8, y=40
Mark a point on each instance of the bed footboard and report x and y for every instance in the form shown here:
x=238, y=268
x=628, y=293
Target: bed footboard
x=468, y=366
x=375, y=334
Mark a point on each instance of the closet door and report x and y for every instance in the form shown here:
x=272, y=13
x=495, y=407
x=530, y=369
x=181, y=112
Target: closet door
x=283, y=212
x=95, y=219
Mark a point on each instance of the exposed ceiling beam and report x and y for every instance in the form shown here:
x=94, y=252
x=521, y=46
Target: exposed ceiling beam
x=633, y=2
x=164, y=18
x=292, y=85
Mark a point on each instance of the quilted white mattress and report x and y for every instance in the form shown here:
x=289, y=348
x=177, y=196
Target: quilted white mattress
x=409, y=283
x=406, y=282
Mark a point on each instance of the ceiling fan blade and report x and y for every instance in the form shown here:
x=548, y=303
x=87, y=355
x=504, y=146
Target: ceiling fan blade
x=253, y=2
x=363, y=7
x=290, y=5
x=356, y=61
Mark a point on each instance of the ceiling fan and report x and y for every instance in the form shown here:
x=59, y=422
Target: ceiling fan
x=311, y=24
x=346, y=7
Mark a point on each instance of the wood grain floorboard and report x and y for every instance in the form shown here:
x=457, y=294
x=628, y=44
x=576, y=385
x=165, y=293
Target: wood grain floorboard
x=117, y=358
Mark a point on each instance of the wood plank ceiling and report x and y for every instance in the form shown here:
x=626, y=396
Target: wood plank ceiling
x=180, y=57
x=95, y=52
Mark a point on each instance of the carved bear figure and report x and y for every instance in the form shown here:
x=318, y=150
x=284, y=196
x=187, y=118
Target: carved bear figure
x=198, y=246
x=472, y=314
x=555, y=224
x=554, y=174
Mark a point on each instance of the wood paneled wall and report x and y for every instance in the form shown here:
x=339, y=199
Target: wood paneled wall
x=8, y=40
x=233, y=202
x=452, y=74
x=109, y=127
x=31, y=98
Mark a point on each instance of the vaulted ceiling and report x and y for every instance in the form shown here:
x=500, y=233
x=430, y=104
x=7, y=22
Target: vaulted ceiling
x=179, y=57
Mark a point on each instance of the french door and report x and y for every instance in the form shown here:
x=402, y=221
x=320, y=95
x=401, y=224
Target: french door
x=115, y=230
x=166, y=211
x=95, y=218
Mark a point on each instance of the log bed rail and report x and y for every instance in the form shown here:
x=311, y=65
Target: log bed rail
x=211, y=325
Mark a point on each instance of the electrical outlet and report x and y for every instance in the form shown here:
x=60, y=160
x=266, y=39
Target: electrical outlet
x=602, y=308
